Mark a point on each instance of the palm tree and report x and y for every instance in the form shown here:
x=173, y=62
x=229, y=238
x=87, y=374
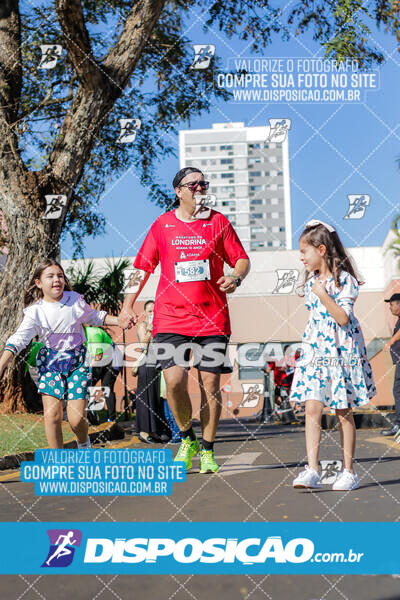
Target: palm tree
x=395, y=244
x=110, y=287
x=84, y=281
x=106, y=291
x=110, y=296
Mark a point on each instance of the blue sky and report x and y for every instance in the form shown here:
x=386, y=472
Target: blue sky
x=334, y=150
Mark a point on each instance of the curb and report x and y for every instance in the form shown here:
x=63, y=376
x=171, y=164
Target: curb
x=98, y=435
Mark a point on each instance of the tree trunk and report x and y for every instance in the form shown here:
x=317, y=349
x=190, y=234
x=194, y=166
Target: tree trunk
x=31, y=237
x=34, y=238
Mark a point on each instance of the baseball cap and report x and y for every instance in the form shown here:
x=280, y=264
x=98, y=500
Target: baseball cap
x=393, y=297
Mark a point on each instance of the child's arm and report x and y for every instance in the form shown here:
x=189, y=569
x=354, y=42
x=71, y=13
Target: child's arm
x=4, y=360
x=125, y=321
x=97, y=318
x=18, y=341
x=336, y=311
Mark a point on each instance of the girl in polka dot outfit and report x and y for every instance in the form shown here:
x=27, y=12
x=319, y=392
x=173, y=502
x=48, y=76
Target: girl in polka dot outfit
x=334, y=370
x=56, y=314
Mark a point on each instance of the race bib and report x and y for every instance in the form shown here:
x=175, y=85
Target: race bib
x=192, y=270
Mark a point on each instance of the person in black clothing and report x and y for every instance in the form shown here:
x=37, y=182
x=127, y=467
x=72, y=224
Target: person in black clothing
x=108, y=375
x=394, y=346
x=150, y=419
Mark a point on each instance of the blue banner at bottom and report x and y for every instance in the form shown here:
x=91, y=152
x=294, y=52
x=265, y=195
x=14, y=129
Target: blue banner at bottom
x=208, y=548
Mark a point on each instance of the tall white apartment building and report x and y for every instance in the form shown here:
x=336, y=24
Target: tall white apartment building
x=250, y=178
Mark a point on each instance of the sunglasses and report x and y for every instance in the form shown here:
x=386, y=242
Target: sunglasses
x=192, y=186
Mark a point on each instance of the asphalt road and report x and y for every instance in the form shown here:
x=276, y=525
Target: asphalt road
x=254, y=484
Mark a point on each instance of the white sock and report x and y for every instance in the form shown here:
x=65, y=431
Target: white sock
x=86, y=444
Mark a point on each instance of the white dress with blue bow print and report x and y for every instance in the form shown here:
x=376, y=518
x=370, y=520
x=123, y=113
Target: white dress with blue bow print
x=334, y=367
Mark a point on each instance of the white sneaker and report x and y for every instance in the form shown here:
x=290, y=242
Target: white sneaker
x=345, y=481
x=309, y=478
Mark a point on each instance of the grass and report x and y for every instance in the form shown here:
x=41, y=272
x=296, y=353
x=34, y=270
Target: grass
x=22, y=432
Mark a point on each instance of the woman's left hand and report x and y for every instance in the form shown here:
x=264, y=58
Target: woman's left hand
x=227, y=284
x=126, y=320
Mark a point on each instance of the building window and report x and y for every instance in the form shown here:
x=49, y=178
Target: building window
x=226, y=175
x=226, y=147
x=255, y=187
x=257, y=201
x=203, y=149
x=282, y=229
x=258, y=215
x=203, y=162
x=212, y=148
x=275, y=215
x=226, y=161
x=255, y=173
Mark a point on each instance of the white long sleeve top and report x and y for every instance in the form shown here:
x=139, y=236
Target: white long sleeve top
x=57, y=324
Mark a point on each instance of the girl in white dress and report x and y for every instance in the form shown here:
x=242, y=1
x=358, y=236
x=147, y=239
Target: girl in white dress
x=333, y=370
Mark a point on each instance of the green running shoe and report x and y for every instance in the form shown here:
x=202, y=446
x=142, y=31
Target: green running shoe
x=186, y=451
x=207, y=462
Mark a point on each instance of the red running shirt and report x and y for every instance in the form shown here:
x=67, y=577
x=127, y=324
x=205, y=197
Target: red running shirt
x=196, y=308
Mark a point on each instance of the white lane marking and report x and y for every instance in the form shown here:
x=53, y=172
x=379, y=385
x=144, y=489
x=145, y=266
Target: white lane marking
x=236, y=463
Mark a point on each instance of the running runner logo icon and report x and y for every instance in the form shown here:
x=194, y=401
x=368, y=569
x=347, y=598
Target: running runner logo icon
x=63, y=543
x=97, y=397
x=129, y=128
x=357, y=206
x=203, y=54
x=50, y=55
x=278, y=130
x=54, y=205
x=287, y=279
x=252, y=393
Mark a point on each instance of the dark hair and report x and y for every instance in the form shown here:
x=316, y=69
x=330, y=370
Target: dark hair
x=33, y=293
x=178, y=178
x=336, y=257
x=147, y=303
